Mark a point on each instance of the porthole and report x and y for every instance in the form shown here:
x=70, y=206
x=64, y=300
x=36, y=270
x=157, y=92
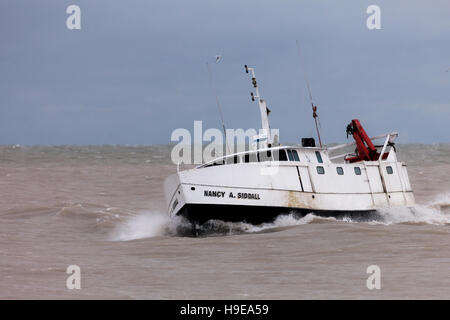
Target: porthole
x=339, y=171
x=357, y=171
x=320, y=170
x=389, y=170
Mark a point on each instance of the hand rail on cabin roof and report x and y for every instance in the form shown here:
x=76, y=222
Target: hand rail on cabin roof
x=257, y=151
x=392, y=137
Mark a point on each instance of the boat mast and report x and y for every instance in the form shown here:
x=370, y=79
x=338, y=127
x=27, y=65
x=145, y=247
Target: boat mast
x=315, y=116
x=211, y=83
x=262, y=105
x=314, y=107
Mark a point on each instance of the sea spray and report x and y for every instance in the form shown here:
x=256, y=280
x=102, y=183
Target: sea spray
x=142, y=225
x=156, y=224
x=435, y=212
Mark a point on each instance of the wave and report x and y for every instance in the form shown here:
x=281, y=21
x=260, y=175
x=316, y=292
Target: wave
x=155, y=224
x=416, y=215
x=143, y=225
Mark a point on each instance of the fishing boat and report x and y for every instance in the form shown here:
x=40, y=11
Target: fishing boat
x=302, y=178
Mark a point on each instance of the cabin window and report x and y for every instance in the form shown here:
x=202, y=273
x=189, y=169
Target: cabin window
x=291, y=157
x=295, y=154
x=232, y=160
x=339, y=171
x=265, y=156
x=357, y=171
x=389, y=170
x=320, y=170
x=319, y=157
x=250, y=157
x=280, y=155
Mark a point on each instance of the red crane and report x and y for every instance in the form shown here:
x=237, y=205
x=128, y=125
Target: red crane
x=365, y=149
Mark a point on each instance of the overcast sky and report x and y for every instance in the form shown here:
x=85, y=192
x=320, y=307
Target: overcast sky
x=137, y=69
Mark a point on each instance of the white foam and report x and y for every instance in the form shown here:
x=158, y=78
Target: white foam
x=283, y=221
x=431, y=213
x=155, y=224
x=143, y=225
x=418, y=214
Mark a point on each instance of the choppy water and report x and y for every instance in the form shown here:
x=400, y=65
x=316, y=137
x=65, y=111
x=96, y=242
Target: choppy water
x=102, y=208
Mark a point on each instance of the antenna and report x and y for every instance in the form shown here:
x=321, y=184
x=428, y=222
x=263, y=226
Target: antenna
x=314, y=107
x=262, y=104
x=217, y=101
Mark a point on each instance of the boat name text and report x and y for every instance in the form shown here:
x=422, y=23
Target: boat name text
x=239, y=195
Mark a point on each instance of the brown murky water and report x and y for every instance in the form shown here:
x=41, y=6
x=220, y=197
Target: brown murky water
x=102, y=208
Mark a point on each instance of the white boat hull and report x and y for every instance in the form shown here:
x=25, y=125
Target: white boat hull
x=247, y=192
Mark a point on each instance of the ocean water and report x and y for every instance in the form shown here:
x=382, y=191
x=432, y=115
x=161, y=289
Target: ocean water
x=102, y=208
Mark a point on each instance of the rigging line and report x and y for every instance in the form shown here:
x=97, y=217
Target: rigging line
x=314, y=108
x=304, y=72
x=218, y=104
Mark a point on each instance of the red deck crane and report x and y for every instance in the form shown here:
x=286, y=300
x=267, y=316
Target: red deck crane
x=365, y=149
